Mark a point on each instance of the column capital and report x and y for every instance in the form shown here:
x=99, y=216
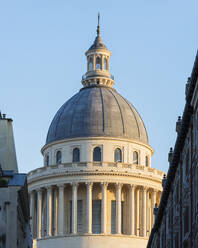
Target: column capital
x=155, y=190
x=132, y=186
x=61, y=185
x=39, y=191
x=48, y=187
x=89, y=184
x=119, y=185
x=74, y=184
x=144, y=188
x=104, y=184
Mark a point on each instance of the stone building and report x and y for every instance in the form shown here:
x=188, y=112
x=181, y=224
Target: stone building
x=97, y=187
x=14, y=205
x=176, y=223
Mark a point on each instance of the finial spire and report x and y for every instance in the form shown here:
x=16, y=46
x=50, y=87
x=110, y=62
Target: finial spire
x=98, y=27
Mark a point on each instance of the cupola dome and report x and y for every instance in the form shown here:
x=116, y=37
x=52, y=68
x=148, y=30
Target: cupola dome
x=97, y=110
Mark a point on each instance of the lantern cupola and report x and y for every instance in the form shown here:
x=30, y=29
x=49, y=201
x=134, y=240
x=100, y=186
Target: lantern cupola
x=98, y=63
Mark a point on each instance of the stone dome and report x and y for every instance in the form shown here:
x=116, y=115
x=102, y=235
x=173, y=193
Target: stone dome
x=97, y=111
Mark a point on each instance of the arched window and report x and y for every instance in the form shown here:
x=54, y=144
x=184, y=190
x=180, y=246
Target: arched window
x=98, y=63
x=105, y=64
x=135, y=158
x=47, y=160
x=58, y=157
x=76, y=155
x=117, y=155
x=146, y=161
x=90, y=66
x=97, y=154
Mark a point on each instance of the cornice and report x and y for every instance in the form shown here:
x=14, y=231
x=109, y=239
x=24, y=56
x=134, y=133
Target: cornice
x=98, y=138
x=94, y=173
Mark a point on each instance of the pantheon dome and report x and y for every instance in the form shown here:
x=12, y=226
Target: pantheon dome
x=96, y=187
x=97, y=111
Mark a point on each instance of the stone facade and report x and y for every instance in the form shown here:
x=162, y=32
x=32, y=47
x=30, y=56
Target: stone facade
x=14, y=206
x=176, y=223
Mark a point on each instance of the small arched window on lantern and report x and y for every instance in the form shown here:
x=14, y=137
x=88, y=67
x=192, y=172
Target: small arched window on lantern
x=58, y=157
x=117, y=155
x=105, y=64
x=147, y=161
x=98, y=63
x=97, y=157
x=135, y=158
x=90, y=65
x=76, y=155
x=46, y=160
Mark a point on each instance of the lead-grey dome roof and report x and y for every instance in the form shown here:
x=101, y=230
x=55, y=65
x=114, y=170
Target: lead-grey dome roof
x=97, y=111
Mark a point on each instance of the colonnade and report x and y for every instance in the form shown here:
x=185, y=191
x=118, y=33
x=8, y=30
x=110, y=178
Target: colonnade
x=139, y=213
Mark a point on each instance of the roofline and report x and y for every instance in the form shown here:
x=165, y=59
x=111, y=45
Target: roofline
x=179, y=144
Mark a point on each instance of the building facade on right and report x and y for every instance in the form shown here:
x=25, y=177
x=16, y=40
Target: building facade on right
x=176, y=222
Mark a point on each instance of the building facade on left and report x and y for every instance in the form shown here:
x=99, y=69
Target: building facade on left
x=14, y=206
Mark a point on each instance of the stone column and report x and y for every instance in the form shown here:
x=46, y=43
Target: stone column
x=144, y=191
x=32, y=212
x=74, y=207
x=138, y=212
x=153, y=204
x=118, y=208
x=61, y=209
x=102, y=62
x=94, y=62
x=49, y=211
x=39, y=213
x=147, y=214
x=131, y=202
x=108, y=63
x=104, y=208
x=89, y=207
x=55, y=231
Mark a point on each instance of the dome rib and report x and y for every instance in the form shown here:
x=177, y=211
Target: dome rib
x=74, y=111
x=132, y=113
x=119, y=109
x=103, y=124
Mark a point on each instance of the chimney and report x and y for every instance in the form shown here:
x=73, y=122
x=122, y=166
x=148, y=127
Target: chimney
x=8, y=159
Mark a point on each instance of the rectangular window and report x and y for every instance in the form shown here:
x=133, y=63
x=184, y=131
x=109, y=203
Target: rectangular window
x=96, y=216
x=113, y=217
x=80, y=216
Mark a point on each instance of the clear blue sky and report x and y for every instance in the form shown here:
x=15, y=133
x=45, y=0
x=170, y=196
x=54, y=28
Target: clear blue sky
x=42, y=46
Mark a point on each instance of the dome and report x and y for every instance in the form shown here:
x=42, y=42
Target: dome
x=97, y=111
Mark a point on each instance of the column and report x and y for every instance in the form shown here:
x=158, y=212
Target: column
x=61, y=209
x=104, y=208
x=89, y=207
x=32, y=212
x=74, y=207
x=153, y=204
x=94, y=62
x=138, y=212
x=108, y=63
x=147, y=214
x=49, y=211
x=131, y=202
x=39, y=213
x=55, y=230
x=102, y=62
x=144, y=190
x=118, y=208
